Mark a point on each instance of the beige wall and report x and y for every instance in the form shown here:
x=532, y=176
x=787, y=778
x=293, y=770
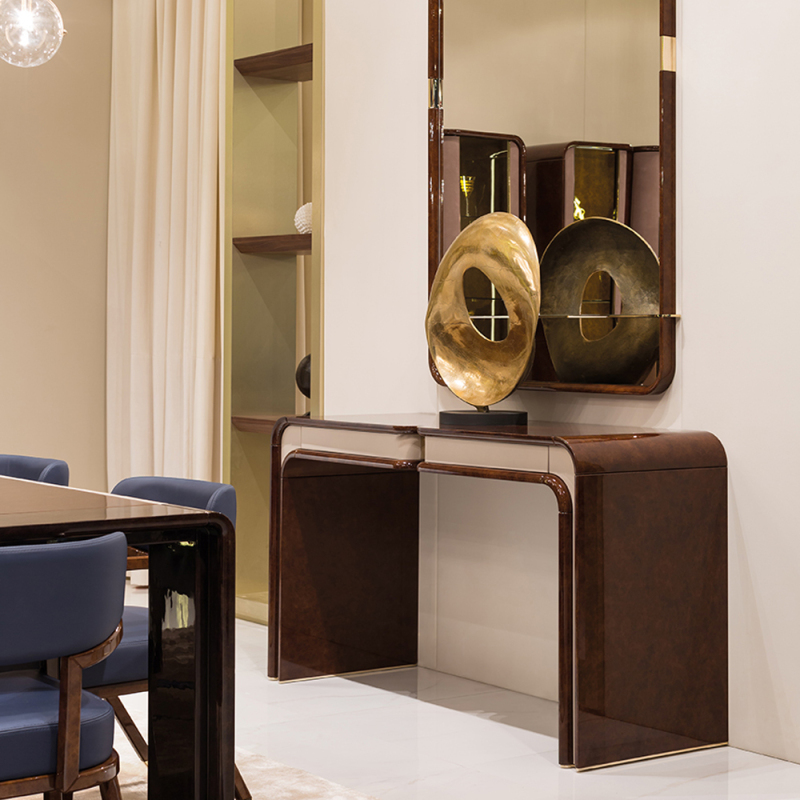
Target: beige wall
x=376, y=207
x=54, y=130
x=738, y=241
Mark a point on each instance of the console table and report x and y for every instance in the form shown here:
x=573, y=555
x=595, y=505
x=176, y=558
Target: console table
x=642, y=531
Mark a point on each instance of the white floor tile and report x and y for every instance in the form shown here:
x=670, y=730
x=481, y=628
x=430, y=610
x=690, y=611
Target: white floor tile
x=416, y=734
x=423, y=684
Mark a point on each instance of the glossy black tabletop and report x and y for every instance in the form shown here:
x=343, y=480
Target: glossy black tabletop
x=29, y=505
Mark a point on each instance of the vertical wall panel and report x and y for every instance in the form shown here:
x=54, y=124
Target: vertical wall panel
x=54, y=131
x=740, y=244
x=375, y=282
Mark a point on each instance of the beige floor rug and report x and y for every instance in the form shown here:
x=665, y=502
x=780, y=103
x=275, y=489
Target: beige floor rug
x=266, y=780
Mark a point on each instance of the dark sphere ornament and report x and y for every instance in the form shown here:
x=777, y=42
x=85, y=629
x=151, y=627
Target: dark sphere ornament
x=302, y=377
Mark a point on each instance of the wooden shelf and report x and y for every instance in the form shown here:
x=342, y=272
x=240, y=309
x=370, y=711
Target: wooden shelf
x=257, y=424
x=291, y=64
x=290, y=244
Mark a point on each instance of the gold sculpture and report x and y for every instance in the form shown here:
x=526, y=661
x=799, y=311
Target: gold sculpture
x=576, y=255
x=477, y=370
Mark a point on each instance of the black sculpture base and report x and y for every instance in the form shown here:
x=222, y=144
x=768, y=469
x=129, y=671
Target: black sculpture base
x=471, y=418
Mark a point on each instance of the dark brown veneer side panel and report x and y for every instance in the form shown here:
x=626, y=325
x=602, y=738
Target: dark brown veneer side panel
x=668, y=185
x=668, y=18
x=651, y=613
x=647, y=451
x=435, y=38
x=435, y=127
x=434, y=190
x=351, y=546
x=274, y=548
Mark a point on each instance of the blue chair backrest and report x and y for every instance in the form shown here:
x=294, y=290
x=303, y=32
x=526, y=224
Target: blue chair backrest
x=60, y=599
x=205, y=495
x=46, y=470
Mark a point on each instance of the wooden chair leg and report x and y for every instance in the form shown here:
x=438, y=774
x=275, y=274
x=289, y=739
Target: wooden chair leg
x=241, y=790
x=110, y=790
x=129, y=728
x=56, y=795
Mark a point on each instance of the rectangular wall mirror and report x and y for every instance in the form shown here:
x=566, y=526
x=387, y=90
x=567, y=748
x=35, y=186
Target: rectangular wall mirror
x=561, y=112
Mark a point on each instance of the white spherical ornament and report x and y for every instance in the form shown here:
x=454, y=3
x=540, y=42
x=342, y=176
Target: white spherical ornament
x=302, y=219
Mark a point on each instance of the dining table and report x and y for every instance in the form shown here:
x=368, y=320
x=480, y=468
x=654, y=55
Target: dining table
x=191, y=639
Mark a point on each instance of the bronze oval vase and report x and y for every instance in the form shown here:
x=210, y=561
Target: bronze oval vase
x=625, y=354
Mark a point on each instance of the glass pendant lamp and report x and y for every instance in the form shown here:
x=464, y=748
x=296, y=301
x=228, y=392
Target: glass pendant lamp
x=30, y=31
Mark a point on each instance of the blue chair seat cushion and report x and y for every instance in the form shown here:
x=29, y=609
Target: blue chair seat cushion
x=29, y=727
x=129, y=661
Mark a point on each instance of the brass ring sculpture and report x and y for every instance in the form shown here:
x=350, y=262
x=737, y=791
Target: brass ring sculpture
x=477, y=370
x=626, y=353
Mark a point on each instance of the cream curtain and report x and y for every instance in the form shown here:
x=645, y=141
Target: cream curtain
x=163, y=242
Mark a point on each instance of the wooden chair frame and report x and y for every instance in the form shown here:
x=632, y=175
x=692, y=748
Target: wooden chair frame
x=68, y=777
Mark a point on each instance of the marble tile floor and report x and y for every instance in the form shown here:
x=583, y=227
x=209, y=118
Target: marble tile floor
x=416, y=734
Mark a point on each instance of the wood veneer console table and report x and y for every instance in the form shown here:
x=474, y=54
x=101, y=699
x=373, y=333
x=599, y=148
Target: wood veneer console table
x=643, y=665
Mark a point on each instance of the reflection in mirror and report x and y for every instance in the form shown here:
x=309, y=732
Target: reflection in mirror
x=571, y=70
x=485, y=172
x=576, y=81
x=601, y=299
x=573, y=181
x=487, y=311
x=576, y=89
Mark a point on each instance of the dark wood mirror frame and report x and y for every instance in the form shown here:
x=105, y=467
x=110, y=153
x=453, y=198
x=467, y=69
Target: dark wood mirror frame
x=665, y=369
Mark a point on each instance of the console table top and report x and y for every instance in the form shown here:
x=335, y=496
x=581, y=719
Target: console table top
x=594, y=448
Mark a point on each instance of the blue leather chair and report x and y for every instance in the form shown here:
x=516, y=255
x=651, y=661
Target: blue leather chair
x=64, y=601
x=126, y=671
x=46, y=470
x=204, y=495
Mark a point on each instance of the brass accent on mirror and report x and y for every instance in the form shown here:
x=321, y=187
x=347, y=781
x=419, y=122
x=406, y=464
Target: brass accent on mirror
x=434, y=93
x=476, y=369
x=669, y=54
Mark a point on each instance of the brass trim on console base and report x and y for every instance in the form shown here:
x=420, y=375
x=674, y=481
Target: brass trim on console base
x=650, y=758
x=347, y=674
